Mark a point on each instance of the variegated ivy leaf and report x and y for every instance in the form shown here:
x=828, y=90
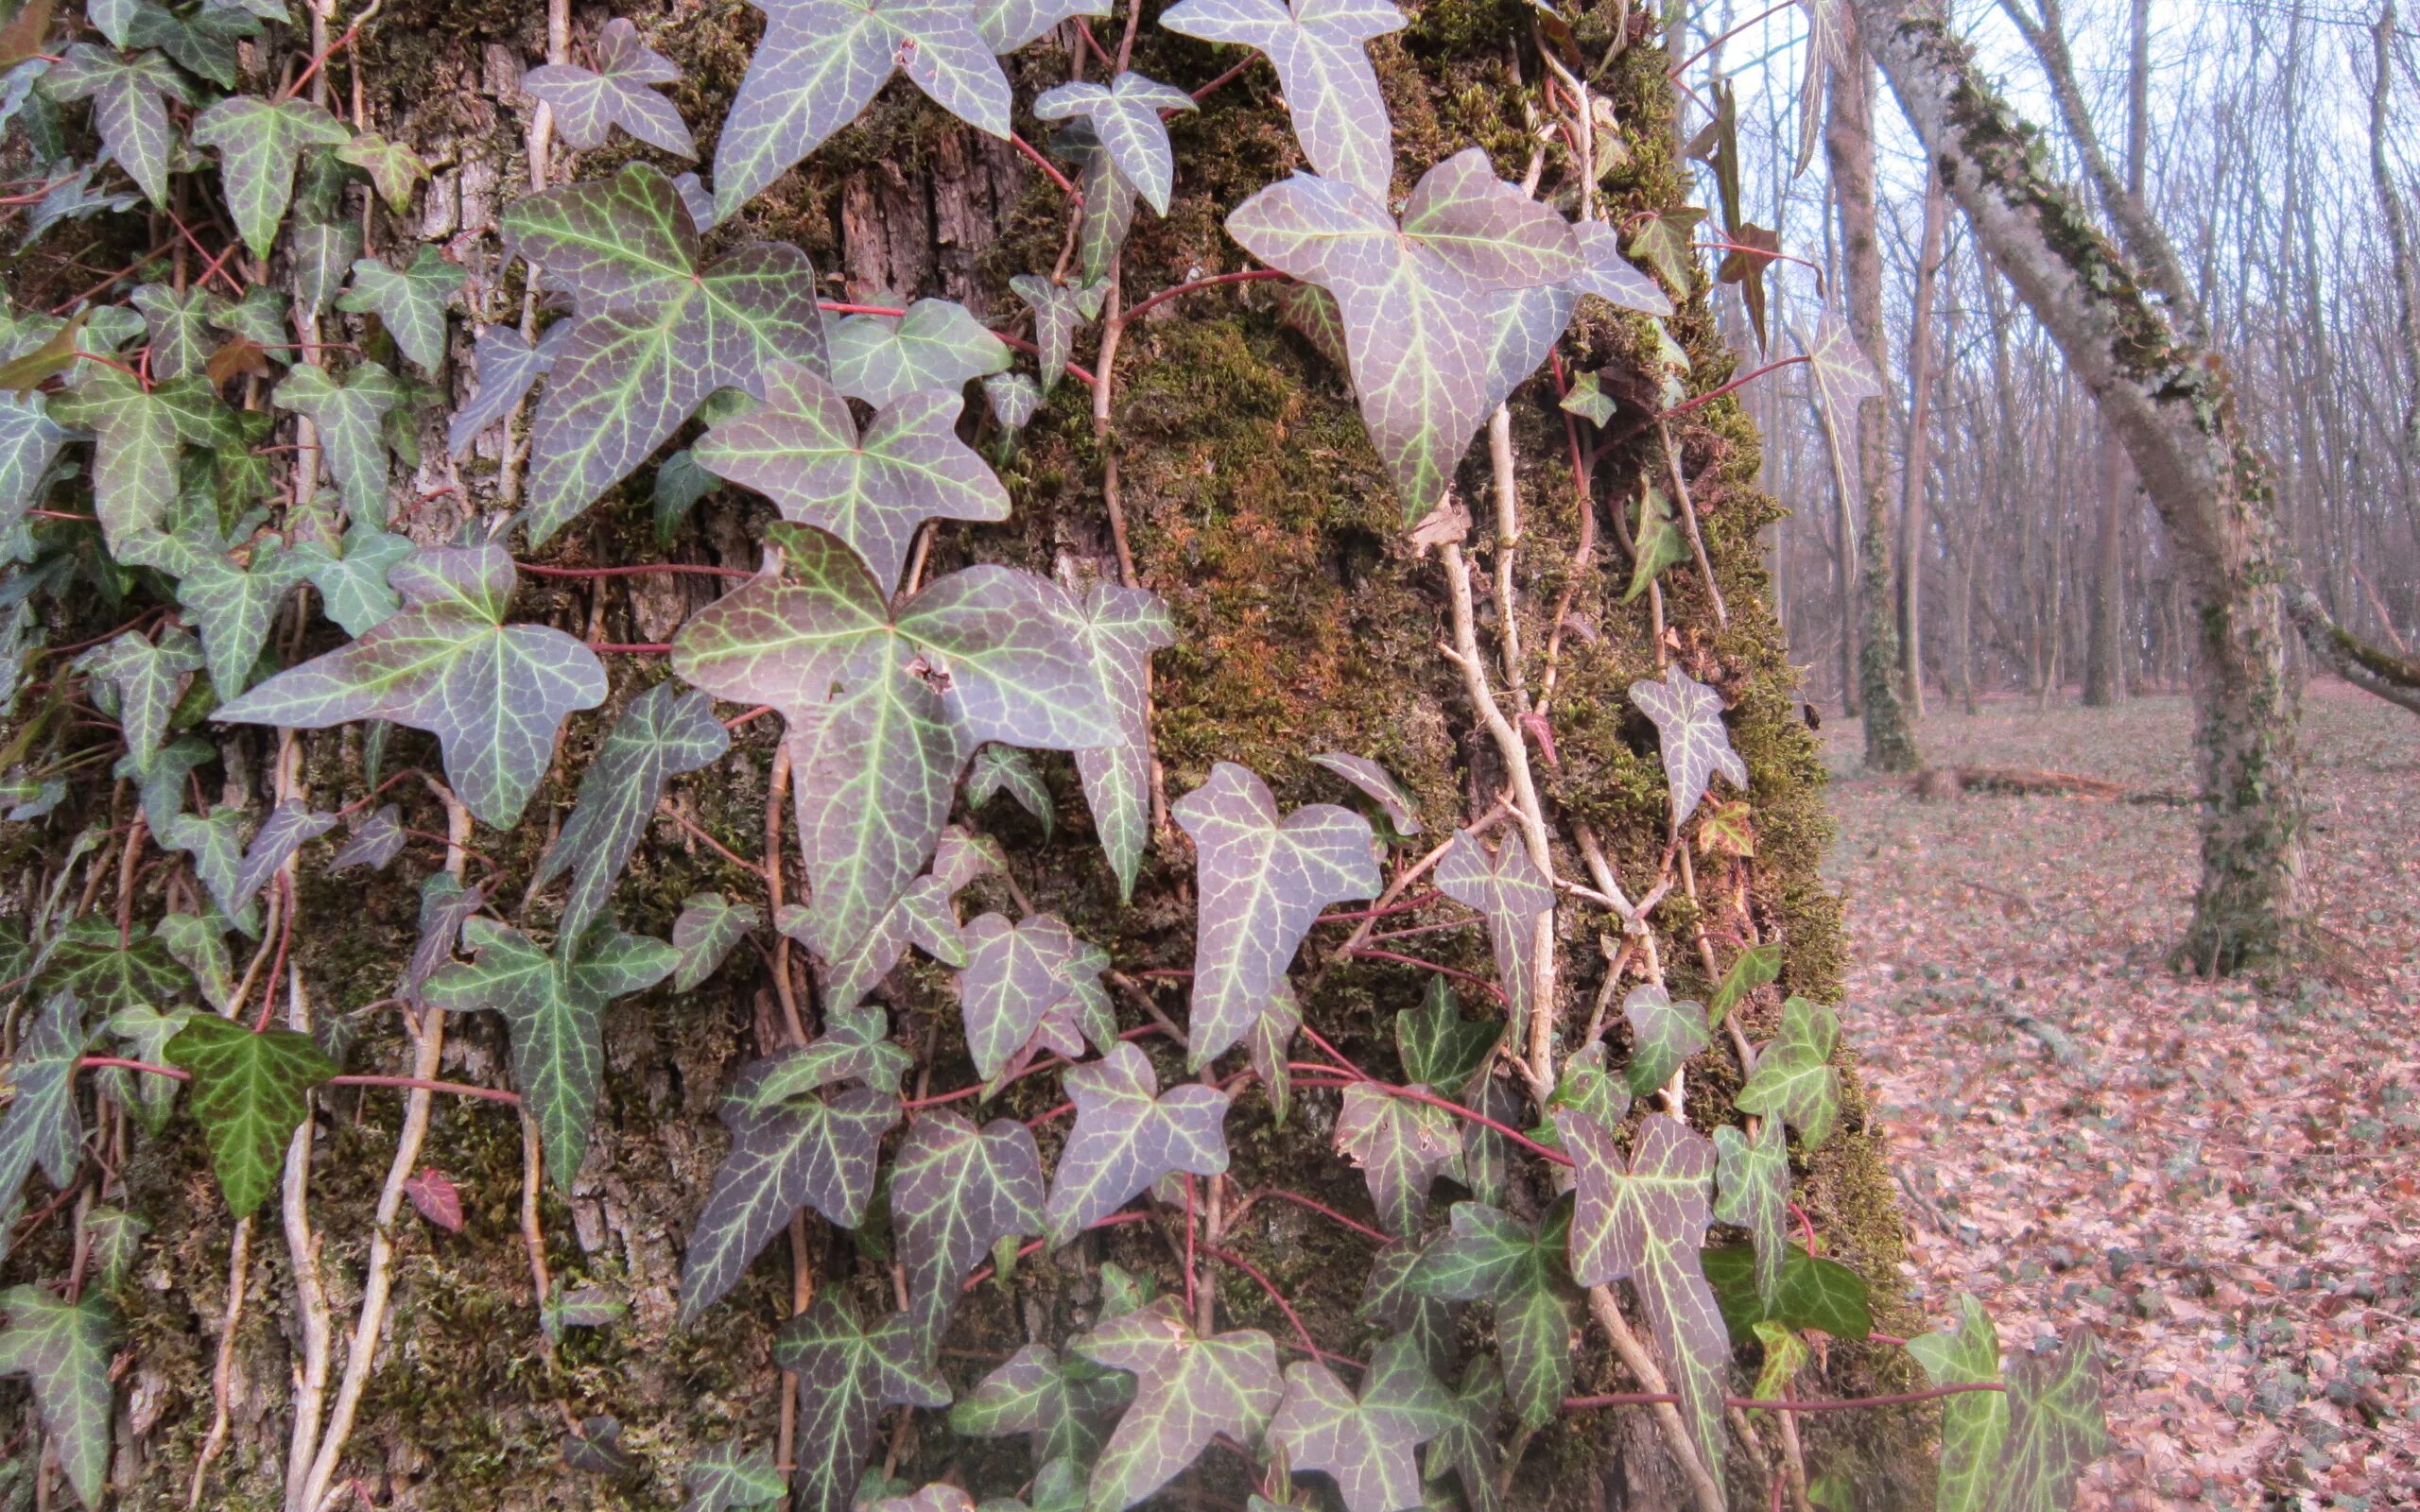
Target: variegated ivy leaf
x=1662, y=238
x=727, y=1478
x=29, y=441
x=179, y=326
x=1108, y=199
x=1511, y=894
x=1645, y=1222
x=935, y=345
x=1589, y=401
x=508, y=368
x=1401, y=810
x=492, y=694
x=250, y=1093
x=999, y=768
x=197, y=942
x=117, y=1242
x=1121, y=628
x=955, y=1192
x=108, y=971
x=353, y=589
x=822, y=61
x=587, y=105
x=554, y=1006
x=148, y=679
x=215, y=842
x=1697, y=746
x=411, y=302
x=259, y=317
x=801, y=449
x=847, y=1374
x=1060, y=1403
x=1127, y=1136
x=1609, y=275
x=1422, y=301
x=1401, y=1147
x=233, y=603
x=1316, y=47
x=1438, y=1046
x=129, y=94
x=377, y=841
x=40, y=1126
x=350, y=417
x=202, y=40
x=1367, y=1443
x=1006, y=25
x=1795, y=1079
x=1188, y=1389
x=1755, y=967
x=134, y=460
x=1518, y=1271
x=281, y=834
x=705, y=933
x=654, y=335
x=1125, y=114
x=258, y=141
x=63, y=1350
x=853, y=1046
x=1269, y=1045
x=1015, y=974
x=1013, y=398
x=2055, y=1427
x=323, y=252
x=1663, y=1036
x=666, y=732
x=1751, y=1192
x=814, y=1150
x=1841, y=377
x=1262, y=881
x=1974, y=1424
x=884, y=705
x=1466, y=1447
x=393, y=169
x=445, y=904
x=1059, y=310
x=923, y=915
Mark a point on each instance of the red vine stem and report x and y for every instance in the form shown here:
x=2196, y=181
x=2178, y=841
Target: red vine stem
x=1247, y=276
x=1720, y=244
x=1712, y=394
x=1299, y=1200
x=1675, y=72
x=1047, y=166
x=1372, y=953
x=1309, y=1346
x=639, y=571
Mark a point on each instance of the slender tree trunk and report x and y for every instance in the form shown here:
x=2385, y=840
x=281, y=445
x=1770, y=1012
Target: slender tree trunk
x=1912, y=530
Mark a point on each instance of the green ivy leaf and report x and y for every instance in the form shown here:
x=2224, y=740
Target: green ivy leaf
x=1785, y=1353
x=134, y=461
x=116, y=1238
x=1696, y=746
x=1794, y=1080
x=587, y=105
x=703, y=935
x=1662, y=238
x=1401, y=1146
x=1751, y=1185
x=1657, y=541
x=1119, y=629
x=1466, y=1447
x=203, y=40
x=1663, y=1036
x=1126, y=117
x=1127, y=1136
x=129, y=93
x=411, y=302
x=1368, y=1443
x=847, y=1374
x=198, y=943
x=555, y=1010
x=492, y=694
x=937, y=345
x=1755, y=967
x=1438, y=1046
x=352, y=586
x=29, y=443
x=89, y=959
x=1188, y=1389
x=1815, y=1293
x=63, y=1349
x=142, y=1034
x=232, y=604
x=1518, y=1269
x=1322, y=69
x=350, y=416
x=2055, y=1428
x=148, y=679
x=666, y=732
x=727, y=1478
x=258, y=141
x=853, y=1046
x=957, y=1191
x=251, y=1091
x=1060, y=1403
x=215, y=842
x=40, y=1126
x=1511, y=894
x=393, y=169
x=1588, y=400
x=1974, y=1424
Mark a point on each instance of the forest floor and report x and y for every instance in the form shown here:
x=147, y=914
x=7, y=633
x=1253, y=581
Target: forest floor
x=2221, y=1179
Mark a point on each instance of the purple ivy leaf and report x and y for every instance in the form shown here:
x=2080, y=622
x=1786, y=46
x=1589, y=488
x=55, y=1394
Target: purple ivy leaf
x=955, y=1192
x=1467, y=1445
x=847, y=1374
x=1121, y=628
x=1751, y=1185
x=1262, y=882
x=1373, y=780
x=1187, y=1390
x=925, y=915
x=1401, y=1146
x=937, y=345
x=1366, y=1444
x=63, y=1351
x=803, y=1151
x=1645, y=1222
x=444, y=906
x=587, y=105
x=666, y=732
x=856, y=1045
x=1127, y=1136
x=492, y=694
x=1609, y=275
x=1268, y=1044
x=1009, y=25
x=1060, y=1403
x=1510, y=892
x=1697, y=747
x=280, y=834
x=821, y=62
x=727, y=1478
x=1013, y=398
x=1843, y=378
x=1108, y=199
x=1125, y=114
x=1317, y=48
x=1059, y=311
x=1663, y=1036
x=801, y=449
x=705, y=933
x=508, y=367
x=999, y=768
x=2055, y=1427
x=1015, y=974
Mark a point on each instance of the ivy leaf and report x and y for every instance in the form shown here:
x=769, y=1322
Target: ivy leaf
x=655, y=334
x=1418, y=299
x=1366, y=1444
x=1511, y=894
x=1438, y=1046
x=1815, y=1293
x=1400, y=1145
x=352, y=586
x=88, y=959
x=1009, y=25
x=129, y=94
x=924, y=913
x=1609, y=276
x=1517, y=1270
x=134, y=461
x=801, y=449
x=1467, y=1445
x=149, y=679
x=1125, y=116
x=1784, y=1354
x=1974, y=1424
x=820, y=64
x=1663, y=1036
x=1751, y=1185
x=251, y=1091
x=492, y=694
x=216, y=843
x=393, y=168
x=1843, y=378
x=1662, y=238
x=937, y=345
x=198, y=943
x=375, y=844
x=63, y=1349
x=29, y=441
x=280, y=834
x=350, y=416
x=1262, y=880
x=666, y=732
x=1187, y=1390
x=179, y=326
x=2055, y=1428
x=1697, y=747
x=705, y=933
x=323, y=252
x=1645, y=1223
x=1013, y=397
x=1589, y=401
x=1059, y=310
x=117, y=1241
x=997, y=769
x=853, y=1046
x=555, y=1009
x=1060, y=1403
x=445, y=906
x=589, y=105
x=1794, y=1080
x=232, y=605
x=508, y=368
x=847, y=1374
x=1745, y=264
x=1108, y=199
x=1656, y=542
x=1585, y=1087
x=1269, y=1047
x=1016, y=973
x=258, y=142
x=801, y=1151
x=1322, y=69
x=40, y=1126
x=1401, y=810
x=955, y=1192
x=411, y=302
x=1120, y=627
x=201, y=40
x=727, y=1478
x=1755, y=967
x=1127, y=1136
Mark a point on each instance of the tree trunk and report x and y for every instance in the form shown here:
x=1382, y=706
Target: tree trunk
x=1918, y=452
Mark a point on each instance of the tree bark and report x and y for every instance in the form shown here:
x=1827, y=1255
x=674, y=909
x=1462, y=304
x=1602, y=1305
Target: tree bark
x=1917, y=453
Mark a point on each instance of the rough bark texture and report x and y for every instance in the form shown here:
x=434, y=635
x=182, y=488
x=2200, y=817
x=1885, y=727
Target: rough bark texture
x=1258, y=511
